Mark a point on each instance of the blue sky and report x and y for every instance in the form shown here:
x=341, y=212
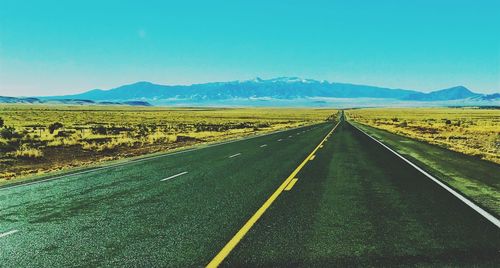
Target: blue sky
x=57, y=47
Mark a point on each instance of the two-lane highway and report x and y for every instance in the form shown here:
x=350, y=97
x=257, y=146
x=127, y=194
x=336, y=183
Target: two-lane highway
x=303, y=197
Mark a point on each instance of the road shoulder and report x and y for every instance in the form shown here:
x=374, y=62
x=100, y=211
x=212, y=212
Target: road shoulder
x=477, y=179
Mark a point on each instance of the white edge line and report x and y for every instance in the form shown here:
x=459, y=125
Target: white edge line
x=176, y=175
x=263, y=145
x=475, y=207
x=132, y=161
x=234, y=155
x=8, y=233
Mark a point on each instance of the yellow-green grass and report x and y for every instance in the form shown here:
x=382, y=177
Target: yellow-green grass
x=471, y=131
x=92, y=134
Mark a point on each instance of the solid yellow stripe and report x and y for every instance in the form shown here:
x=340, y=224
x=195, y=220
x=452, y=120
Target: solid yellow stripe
x=248, y=225
x=291, y=184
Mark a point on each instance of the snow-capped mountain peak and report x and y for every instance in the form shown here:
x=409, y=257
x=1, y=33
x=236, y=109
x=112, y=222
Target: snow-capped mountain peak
x=284, y=79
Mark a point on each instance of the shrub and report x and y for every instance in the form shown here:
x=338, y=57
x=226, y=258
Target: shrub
x=62, y=142
x=65, y=134
x=332, y=117
x=100, y=129
x=27, y=152
x=1, y=122
x=181, y=138
x=142, y=130
x=9, y=133
x=54, y=126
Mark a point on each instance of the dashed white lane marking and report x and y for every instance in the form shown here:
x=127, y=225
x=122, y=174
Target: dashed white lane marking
x=263, y=145
x=8, y=233
x=280, y=139
x=133, y=161
x=289, y=136
x=176, y=175
x=234, y=155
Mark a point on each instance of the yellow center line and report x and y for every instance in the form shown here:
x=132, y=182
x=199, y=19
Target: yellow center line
x=291, y=184
x=312, y=157
x=217, y=260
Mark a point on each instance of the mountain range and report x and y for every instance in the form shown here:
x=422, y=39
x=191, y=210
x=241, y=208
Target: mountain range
x=282, y=91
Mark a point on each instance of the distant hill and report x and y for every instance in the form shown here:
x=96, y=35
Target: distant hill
x=32, y=100
x=4, y=99
x=490, y=97
x=454, y=93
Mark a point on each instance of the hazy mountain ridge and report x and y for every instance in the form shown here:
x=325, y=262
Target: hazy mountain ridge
x=32, y=100
x=454, y=93
x=281, y=91
x=277, y=88
x=488, y=97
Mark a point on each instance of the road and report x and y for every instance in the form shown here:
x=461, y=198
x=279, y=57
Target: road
x=352, y=203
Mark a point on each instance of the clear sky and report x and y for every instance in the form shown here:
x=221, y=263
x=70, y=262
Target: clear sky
x=57, y=47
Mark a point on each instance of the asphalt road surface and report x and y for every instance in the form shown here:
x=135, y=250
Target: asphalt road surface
x=339, y=200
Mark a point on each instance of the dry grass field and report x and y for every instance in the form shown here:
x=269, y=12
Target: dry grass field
x=35, y=139
x=471, y=131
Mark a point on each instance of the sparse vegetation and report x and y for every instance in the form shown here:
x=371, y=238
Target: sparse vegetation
x=26, y=152
x=54, y=126
x=38, y=138
x=470, y=131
